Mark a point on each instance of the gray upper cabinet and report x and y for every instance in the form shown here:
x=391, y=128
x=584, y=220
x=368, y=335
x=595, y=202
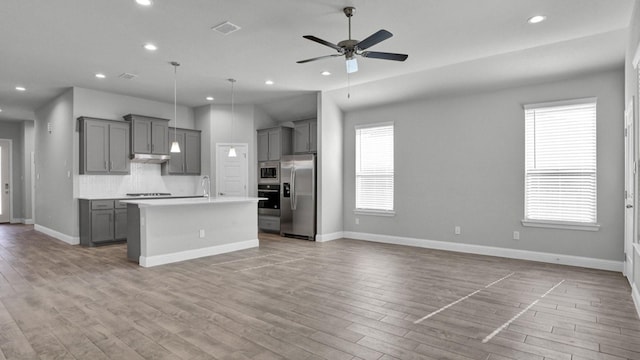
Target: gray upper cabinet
x=104, y=146
x=273, y=143
x=305, y=136
x=149, y=135
x=187, y=161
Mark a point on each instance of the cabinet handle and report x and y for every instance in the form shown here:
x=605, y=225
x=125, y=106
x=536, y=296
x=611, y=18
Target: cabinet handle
x=105, y=164
x=147, y=146
x=111, y=165
x=151, y=147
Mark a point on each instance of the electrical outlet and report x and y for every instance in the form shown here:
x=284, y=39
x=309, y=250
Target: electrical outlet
x=457, y=230
x=516, y=235
x=201, y=233
x=357, y=221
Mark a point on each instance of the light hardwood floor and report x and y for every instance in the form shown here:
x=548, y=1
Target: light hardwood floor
x=295, y=299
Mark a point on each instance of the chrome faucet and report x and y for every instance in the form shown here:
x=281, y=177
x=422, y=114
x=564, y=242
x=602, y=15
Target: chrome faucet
x=206, y=186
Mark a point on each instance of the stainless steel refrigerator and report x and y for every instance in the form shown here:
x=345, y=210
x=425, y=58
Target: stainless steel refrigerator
x=298, y=196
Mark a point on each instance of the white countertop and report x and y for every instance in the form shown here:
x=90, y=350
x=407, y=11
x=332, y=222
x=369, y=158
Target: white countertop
x=126, y=197
x=191, y=201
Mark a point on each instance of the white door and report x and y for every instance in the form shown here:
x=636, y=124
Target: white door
x=629, y=189
x=232, y=173
x=5, y=181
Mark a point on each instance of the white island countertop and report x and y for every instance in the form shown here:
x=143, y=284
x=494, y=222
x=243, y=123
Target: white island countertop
x=191, y=201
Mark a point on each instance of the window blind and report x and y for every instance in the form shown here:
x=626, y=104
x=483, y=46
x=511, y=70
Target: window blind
x=560, y=164
x=374, y=167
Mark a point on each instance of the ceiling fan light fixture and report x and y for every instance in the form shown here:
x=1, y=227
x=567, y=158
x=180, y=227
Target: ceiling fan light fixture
x=352, y=65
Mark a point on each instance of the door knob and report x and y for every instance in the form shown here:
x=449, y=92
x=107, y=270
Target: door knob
x=629, y=206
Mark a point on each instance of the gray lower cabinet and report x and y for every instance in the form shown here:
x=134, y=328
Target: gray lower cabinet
x=269, y=223
x=102, y=222
x=187, y=161
x=104, y=146
x=305, y=136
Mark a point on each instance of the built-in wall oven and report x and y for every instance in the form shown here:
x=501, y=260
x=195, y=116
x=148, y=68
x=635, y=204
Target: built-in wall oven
x=270, y=206
x=269, y=172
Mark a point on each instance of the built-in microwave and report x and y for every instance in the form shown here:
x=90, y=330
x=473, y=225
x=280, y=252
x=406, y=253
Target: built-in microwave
x=269, y=172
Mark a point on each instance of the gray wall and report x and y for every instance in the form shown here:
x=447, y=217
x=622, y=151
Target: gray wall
x=28, y=136
x=216, y=125
x=459, y=160
x=13, y=130
x=330, y=166
x=54, y=201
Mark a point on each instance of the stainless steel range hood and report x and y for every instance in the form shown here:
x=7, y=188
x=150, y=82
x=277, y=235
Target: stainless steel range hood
x=150, y=158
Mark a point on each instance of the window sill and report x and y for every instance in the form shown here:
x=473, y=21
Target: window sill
x=561, y=225
x=374, y=212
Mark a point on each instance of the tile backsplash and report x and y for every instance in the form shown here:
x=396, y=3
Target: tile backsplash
x=143, y=178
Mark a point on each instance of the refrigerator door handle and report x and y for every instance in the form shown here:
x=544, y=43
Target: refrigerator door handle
x=293, y=188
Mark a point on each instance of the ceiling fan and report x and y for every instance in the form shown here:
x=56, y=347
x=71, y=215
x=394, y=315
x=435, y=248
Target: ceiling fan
x=350, y=48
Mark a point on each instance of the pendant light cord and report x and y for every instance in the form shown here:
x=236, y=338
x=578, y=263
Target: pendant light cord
x=175, y=99
x=233, y=114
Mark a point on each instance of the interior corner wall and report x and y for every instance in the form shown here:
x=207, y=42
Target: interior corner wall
x=330, y=168
x=54, y=202
x=12, y=130
x=459, y=161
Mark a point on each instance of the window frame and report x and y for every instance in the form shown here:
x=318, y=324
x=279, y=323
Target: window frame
x=557, y=224
x=370, y=211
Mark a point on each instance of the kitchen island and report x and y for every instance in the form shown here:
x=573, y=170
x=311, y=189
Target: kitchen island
x=162, y=231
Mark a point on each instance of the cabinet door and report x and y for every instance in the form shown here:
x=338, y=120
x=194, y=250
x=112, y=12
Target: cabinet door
x=96, y=145
x=176, y=163
x=102, y=225
x=192, y=152
x=141, y=136
x=120, y=229
x=119, y=148
x=263, y=145
x=301, y=137
x=313, y=136
x=160, y=137
x=274, y=145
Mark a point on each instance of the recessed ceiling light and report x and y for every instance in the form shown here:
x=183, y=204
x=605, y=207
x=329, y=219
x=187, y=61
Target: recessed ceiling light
x=209, y=98
x=0, y=110
x=536, y=19
x=269, y=82
x=100, y=76
x=150, y=47
x=325, y=73
x=21, y=88
x=144, y=2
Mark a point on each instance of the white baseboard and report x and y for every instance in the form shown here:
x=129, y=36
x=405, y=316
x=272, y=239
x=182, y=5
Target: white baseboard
x=28, y=222
x=148, y=261
x=635, y=294
x=492, y=251
x=16, y=221
x=58, y=235
x=329, y=237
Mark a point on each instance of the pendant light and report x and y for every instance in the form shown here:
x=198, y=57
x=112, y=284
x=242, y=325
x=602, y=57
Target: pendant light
x=232, y=149
x=175, y=147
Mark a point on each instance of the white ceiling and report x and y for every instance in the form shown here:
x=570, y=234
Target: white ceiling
x=453, y=45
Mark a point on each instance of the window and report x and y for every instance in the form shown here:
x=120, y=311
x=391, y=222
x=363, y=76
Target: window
x=560, y=164
x=374, y=168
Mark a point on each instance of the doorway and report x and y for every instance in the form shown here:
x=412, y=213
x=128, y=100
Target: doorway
x=5, y=180
x=232, y=173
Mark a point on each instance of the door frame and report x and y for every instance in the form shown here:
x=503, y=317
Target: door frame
x=10, y=179
x=237, y=145
x=630, y=186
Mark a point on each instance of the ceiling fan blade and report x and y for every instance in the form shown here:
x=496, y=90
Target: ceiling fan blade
x=323, y=42
x=385, y=55
x=317, y=58
x=373, y=39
